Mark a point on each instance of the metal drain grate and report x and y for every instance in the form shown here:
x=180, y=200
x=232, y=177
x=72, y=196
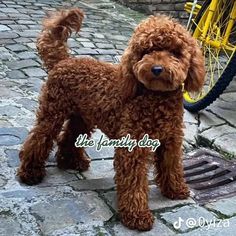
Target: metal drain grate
x=209, y=176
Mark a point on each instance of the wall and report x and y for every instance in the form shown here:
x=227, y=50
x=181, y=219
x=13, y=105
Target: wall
x=169, y=7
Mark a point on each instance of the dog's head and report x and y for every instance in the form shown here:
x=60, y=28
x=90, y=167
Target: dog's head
x=162, y=55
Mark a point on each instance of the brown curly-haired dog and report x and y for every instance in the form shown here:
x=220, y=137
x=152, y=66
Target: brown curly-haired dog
x=143, y=94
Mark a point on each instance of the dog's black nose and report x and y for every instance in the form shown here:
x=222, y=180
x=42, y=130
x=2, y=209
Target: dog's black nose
x=156, y=70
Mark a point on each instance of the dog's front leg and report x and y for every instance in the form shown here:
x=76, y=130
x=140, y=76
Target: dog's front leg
x=168, y=163
x=132, y=188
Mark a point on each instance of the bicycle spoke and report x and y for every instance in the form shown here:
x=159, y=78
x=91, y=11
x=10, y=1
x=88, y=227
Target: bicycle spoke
x=216, y=58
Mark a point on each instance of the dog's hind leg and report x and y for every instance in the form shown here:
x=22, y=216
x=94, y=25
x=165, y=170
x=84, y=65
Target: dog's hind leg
x=51, y=114
x=68, y=156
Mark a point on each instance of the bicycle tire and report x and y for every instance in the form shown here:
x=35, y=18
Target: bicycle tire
x=223, y=81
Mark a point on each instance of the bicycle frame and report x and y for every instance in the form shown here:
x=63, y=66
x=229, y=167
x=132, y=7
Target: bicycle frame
x=202, y=33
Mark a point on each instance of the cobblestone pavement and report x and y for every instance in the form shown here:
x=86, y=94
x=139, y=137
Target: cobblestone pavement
x=73, y=203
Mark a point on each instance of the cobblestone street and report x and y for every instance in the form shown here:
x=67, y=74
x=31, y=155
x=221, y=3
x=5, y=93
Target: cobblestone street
x=73, y=203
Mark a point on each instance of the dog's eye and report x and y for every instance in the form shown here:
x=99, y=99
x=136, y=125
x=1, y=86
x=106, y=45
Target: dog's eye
x=176, y=54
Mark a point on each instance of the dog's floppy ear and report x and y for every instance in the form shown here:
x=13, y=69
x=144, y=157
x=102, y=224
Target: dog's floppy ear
x=128, y=59
x=196, y=73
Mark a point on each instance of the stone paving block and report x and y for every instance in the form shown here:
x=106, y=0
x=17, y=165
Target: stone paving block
x=7, y=92
x=26, y=22
x=117, y=37
x=26, y=121
x=4, y=41
x=121, y=47
x=83, y=230
x=9, y=226
x=32, y=45
x=17, y=47
x=8, y=10
x=18, y=27
x=29, y=193
x=98, y=35
x=107, y=51
x=187, y=214
x=29, y=33
x=72, y=43
x=104, y=45
x=34, y=84
x=226, y=206
x=225, y=227
x=35, y=72
x=57, y=214
x=88, y=44
x=23, y=40
x=35, y=27
x=4, y=123
x=4, y=28
x=5, y=54
x=80, y=39
x=28, y=104
x=156, y=200
x=225, y=109
x=12, y=136
x=15, y=219
x=225, y=143
x=222, y=136
x=97, y=40
x=208, y=120
x=230, y=95
x=13, y=5
x=10, y=110
x=26, y=3
x=55, y=176
x=12, y=157
x=158, y=229
x=15, y=65
x=100, y=169
x=7, y=22
x=18, y=16
x=85, y=34
x=86, y=51
x=106, y=58
x=8, y=35
x=105, y=153
x=217, y=132
x=190, y=117
x=15, y=74
x=93, y=184
x=27, y=55
x=3, y=181
x=231, y=88
x=190, y=132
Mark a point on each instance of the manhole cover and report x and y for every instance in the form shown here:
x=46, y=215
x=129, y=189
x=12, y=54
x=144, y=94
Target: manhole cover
x=209, y=176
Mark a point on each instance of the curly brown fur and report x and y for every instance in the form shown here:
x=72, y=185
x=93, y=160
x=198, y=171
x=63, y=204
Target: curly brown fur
x=129, y=98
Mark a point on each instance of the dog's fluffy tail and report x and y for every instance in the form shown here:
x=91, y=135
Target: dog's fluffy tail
x=51, y=43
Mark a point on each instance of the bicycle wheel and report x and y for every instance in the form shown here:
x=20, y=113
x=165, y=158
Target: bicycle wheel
x=220, y=61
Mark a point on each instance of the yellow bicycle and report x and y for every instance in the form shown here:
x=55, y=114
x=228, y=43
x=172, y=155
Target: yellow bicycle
x=213, y=25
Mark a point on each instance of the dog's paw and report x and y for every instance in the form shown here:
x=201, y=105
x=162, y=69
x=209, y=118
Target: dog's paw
x=142, y=221
x=180, y=193
x=73, y=162
x=31, y=176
